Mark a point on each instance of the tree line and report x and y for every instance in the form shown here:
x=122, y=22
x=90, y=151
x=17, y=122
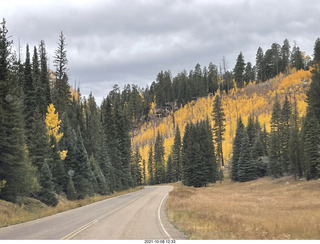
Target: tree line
x=291, y=147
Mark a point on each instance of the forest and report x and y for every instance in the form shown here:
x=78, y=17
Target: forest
x=54, y=141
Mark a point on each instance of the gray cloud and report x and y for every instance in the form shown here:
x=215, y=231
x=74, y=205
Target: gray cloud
x=131, y=41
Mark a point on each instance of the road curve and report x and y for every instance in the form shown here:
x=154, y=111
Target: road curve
x=138, y=215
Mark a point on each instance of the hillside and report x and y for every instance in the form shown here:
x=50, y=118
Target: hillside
x=256, y=99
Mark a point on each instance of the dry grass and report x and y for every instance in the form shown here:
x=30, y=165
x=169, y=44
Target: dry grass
x=33, y=209
x=262, y=209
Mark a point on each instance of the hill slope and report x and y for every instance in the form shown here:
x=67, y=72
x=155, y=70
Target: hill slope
x=256, y=99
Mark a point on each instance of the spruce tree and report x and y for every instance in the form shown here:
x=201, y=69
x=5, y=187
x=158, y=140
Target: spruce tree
x=285, y=55
x=71, y=191
x=15, y=168
x=246, y=166
x=47, y=194
x=260, y=64
x=311, y=150
x=151, y=166
x=61, y=92
x=236, y=150
x=275, y=167
x=102, y=185
x=159, y=163
x=316, y=51
x=218, y=127
x=286, y=115
x=169, y=170
x=30, y=99
x=45, y=92
x=176, y=156
x=239, y=70
x=84, y=179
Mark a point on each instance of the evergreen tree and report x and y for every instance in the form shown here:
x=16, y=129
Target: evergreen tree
x=136, y=170
x=176, y=156
x=15, y=168
x=286, y=115
x=199, y=162
x=45, y=92
x=84, y=180
x=239, y=70
x=151, y=166
x=169, y=170
x=316, y=51
x=30, y=101
x=159, y=163
x=71, y=191
x=296, y=58
x=285, y=55
x=246, y=166
x=61, y=92
x=260, y=64
x=275, y=168
x=237, y=150
x=186, y=153
x=295, y=146
x=218, y=127
x=47, y=194
x=103, y=159
x=102, y=185
x=311, y=152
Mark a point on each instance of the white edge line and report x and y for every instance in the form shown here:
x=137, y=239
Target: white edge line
x=160, y=217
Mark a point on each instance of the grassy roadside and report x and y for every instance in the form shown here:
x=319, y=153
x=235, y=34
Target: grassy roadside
x=261, y=209
x=11, y=214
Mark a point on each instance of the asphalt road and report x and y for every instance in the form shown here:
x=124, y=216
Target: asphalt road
x=138, y=215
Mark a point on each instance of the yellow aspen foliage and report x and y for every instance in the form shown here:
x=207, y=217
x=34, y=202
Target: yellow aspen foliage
x=63, y=154
x=53, y=123
x=254, y=99
x=2, y=184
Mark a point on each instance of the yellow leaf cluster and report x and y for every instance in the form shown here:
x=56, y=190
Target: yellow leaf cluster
x=53, y=123
x=255, y=99
x=63, y=154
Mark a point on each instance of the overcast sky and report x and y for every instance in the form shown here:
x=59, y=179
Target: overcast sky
x=130, y=41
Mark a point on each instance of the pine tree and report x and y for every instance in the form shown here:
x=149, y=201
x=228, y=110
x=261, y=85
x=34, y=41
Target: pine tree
x=30, y=100
x=295, y=146
x=84, y=181
x=286, y=115
x=71, y=191
x=246, y=166
x=176, y=156
x=61, y=92
x=260, y=64
x=104, y=161
x=159, y=163
x=285, y=55
x=187, y=155
x=239, y=70
x=218, y=127
x=169, y=170
x=311, y=146
x=237, y=150
x=15, y=168
x=47, y=194
x=275, y=168
x=45, y=91
x=151, y=166
x=102, y=186
x=316, y=51
x=136, y=170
